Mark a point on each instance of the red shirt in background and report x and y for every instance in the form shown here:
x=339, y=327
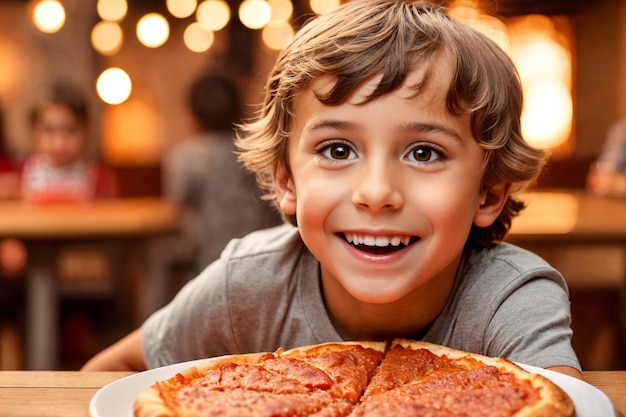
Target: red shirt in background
x=43, y=182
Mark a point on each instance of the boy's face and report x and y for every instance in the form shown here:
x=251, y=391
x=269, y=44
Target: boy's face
x=59, y=134
x=385, y=193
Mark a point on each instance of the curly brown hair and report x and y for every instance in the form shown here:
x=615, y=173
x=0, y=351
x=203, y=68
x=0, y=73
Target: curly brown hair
x=391, y=37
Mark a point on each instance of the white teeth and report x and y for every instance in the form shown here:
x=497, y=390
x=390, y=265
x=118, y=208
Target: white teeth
x=369, y=241
x=380, y=241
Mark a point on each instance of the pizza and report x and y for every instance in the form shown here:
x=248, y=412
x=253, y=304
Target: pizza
x=357, y=379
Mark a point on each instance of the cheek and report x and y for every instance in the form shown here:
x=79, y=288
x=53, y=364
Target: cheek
x=317, y=197
x=454, y=209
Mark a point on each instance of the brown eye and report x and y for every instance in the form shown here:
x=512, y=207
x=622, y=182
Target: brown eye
x=422, y=154
x=339, y=152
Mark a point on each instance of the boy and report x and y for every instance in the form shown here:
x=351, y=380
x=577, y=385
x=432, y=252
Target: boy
x=390, y=135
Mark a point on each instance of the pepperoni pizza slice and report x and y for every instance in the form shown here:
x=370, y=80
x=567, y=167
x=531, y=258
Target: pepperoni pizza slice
x=423, y=379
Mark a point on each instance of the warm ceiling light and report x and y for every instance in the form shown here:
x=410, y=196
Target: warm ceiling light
x=112, y=10
x=254, y=14
x=153, y=30
x=197, y=38
x=547, y=114
x=543, y=61
x=49, y=16
x=181, y=8
x=114, y=86
x=107, y=37
x=213, y=14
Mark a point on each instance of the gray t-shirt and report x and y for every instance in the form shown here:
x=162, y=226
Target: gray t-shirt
x=264, y=293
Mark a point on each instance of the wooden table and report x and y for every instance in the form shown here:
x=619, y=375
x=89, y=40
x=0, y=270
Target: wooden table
x=557, y=216
x=67, y=394
x=46, y=228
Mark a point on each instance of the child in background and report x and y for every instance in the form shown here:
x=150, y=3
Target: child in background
x=218, y=197
x=58, y=171
x=390, y=138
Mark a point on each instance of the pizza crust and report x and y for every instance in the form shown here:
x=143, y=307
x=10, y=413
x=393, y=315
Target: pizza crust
x=322, y=347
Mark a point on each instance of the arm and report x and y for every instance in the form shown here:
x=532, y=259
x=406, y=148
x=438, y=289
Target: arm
x=567, y=370
x=125, y=355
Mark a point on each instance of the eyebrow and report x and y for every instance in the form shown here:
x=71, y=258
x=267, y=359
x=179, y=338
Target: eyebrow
x=330, y=124
x=416, y=127
x=431, y=127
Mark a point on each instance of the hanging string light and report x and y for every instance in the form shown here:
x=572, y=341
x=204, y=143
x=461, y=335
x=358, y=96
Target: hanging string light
x=153, y=30
x=254, y=14
x=112, y=10
x=213, y=15
x=197, y=38
x=107, y=37
x=181, y=8
x=49, y=16
x=323, y=6
x=114, y=86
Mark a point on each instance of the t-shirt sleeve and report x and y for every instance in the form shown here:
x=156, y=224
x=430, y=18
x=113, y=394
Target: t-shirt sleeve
x=532, y=325
x=508, y=302
x=194, y=325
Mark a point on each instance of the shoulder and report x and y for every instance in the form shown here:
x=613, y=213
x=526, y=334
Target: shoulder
x=511, y=260
x=508, y=302
x=499, y=272
x=279, y=239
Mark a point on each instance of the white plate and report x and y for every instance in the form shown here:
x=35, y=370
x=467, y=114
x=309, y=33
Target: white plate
x=116, y=399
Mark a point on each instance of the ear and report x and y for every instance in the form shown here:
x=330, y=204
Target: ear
x=285, y=191
x=491, y=204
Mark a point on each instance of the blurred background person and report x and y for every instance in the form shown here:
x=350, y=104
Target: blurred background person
x=58, y=170
x=218, y=197
x=607, y=175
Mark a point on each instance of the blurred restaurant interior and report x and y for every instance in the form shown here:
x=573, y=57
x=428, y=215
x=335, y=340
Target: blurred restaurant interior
x=571, y=55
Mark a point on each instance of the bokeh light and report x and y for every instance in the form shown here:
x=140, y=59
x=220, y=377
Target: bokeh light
x=254, y=14
x=113, y=86
x=181, y=8
x=112, y=10
x=324, y=6
x=213, y=14
x=276, y=35
x=107, y=37
x=49, y=16
x=197, y=38
x=281, y=10
x=153, y=30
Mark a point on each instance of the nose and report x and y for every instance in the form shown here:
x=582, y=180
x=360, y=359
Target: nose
x=379, y=188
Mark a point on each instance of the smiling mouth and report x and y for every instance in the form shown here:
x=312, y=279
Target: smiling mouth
x=379, y=245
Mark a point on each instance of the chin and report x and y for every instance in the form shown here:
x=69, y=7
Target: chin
x=377, y=298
